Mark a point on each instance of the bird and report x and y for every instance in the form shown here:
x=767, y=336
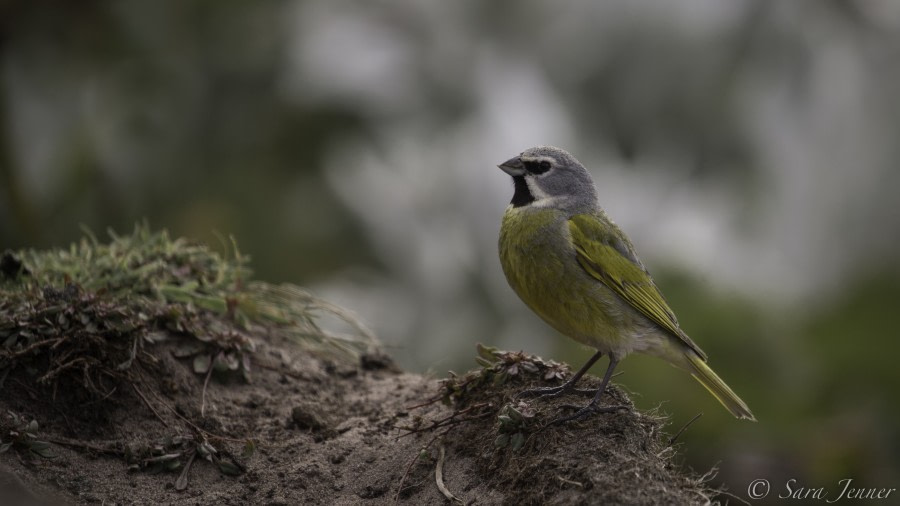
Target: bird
x=576, y=269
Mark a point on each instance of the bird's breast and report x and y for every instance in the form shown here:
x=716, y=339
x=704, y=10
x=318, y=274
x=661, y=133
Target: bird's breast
x=540, y=264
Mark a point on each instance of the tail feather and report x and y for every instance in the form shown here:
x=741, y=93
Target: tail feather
x=709, y=379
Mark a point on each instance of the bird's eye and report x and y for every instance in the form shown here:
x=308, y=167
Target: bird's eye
x=537, y=167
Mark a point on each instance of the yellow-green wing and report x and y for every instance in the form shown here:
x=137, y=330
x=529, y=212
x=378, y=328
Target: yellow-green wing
x=605, y=253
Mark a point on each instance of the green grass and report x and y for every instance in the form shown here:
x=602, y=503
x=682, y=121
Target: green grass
x=90, y=311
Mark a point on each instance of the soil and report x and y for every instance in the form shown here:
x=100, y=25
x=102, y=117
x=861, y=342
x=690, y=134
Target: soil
x=330, y=432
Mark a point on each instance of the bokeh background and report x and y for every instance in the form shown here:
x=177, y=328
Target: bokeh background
x=749, y=148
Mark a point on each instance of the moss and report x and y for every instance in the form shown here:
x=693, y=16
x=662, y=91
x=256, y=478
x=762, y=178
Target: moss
x=87, y=312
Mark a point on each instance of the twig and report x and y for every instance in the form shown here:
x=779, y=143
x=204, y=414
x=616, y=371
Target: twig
x=449, y=420
x=205, y=384
x=88, y=383
x=436, y=398
x=413, y=461
x=29, y=348
x=570, y=482
x=58, y=369
x=84, y=446
x=439, y=478
x=448, y=423
x=684, y=428
x=706, y=501
x=101, y=399
x=147, y=403
x=729, y=494
x=31, y=392
x=197, y=428
x=426, y=403
x=710, y=475
x=176, y=413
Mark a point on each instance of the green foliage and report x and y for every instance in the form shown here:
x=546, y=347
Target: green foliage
x=145, y=263
x=90, y=310
x=514, y=423
x=23, y=436
x=856, y=340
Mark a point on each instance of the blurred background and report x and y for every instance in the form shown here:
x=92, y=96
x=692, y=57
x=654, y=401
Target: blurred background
x=749, y=148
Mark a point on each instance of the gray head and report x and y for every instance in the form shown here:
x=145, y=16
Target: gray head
x=546, y=176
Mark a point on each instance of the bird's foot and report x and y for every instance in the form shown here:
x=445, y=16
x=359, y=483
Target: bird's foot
x=554, y=391
x=591, y=409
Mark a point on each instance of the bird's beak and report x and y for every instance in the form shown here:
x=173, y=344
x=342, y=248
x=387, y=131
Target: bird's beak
x=514, y=166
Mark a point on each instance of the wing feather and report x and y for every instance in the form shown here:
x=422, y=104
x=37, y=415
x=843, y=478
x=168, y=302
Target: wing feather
x=599, y=247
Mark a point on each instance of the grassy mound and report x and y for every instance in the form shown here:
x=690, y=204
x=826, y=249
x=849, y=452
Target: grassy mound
x=78, y=327
x=88, y=312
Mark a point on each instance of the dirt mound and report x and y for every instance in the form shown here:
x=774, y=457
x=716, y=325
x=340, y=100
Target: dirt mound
x=326, y=433
x=149, y=371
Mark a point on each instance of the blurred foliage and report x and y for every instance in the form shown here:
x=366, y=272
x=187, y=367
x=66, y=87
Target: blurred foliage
x=171, y=112
x=747, y=147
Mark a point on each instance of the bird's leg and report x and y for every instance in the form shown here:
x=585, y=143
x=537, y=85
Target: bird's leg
x=594, y=406
x=568, y=386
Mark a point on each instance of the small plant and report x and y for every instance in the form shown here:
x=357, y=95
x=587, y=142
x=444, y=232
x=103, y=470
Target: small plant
x=179, y=453
x=512, y=425
x=497, y=368
x=23, y=436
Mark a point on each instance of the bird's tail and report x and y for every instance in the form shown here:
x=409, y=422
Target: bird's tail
x=709, y=379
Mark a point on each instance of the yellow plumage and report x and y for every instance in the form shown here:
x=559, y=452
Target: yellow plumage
x=578, y=271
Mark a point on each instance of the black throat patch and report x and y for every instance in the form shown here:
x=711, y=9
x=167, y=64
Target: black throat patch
x=522, y=195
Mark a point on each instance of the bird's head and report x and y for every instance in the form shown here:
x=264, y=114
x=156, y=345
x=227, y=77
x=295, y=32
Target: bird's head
x=546, y=176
